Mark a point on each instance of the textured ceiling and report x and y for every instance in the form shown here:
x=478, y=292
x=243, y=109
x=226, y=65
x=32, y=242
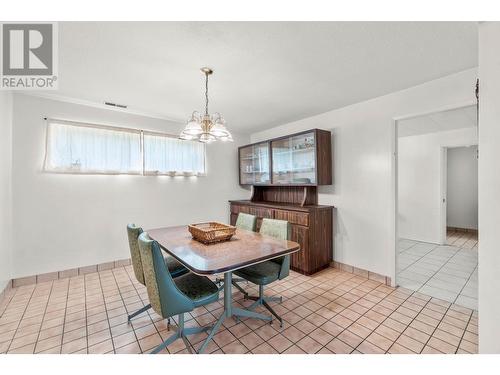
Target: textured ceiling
x=266, y=74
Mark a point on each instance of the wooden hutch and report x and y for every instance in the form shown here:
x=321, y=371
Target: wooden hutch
x=285, y=173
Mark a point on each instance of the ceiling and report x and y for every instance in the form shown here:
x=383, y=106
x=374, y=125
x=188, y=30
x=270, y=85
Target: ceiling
x=460, y=118
x=266, y=73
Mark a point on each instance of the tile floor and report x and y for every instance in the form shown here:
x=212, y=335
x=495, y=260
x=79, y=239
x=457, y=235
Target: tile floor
x=445, y=272
x=330, y=312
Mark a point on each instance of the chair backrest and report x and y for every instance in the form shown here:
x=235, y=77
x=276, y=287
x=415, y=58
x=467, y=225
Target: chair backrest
x=133, y=242
x=279, y=229
x=165, y=298
x=246, y=222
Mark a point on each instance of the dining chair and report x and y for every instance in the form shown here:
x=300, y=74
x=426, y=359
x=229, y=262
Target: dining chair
x=169, y=296
x=246, y=222
x=175, y=268
x=267, y=272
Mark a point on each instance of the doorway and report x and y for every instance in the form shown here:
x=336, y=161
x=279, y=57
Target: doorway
x=437, y=205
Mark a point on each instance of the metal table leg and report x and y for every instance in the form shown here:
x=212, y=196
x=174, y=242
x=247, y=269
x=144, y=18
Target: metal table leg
x=230, y=311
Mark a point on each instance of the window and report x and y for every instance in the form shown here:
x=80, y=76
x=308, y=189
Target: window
x=166, y=155
x=86, y=148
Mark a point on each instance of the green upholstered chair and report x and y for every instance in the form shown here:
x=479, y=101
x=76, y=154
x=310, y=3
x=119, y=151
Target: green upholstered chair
x=170, y=296
x=267, y=272
x=175, y=268
x=246, y=221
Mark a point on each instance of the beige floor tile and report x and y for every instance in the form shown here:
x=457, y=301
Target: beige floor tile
x=309, y=345
x=264, y=348
x=235, y=348
x=132, y=348
x=321, y=336
x=251, y=341
x=339, y=347
x=280, y=343
x=399, y=349
x=367, y=347
x=294, y=349
x=350, y=338
x=441, y=345
x=150, y=342
x=43, y=345
x=382, y=342
x=331, y=312
x=101, y=348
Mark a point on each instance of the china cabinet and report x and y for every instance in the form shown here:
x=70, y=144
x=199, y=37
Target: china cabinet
x=285, y=173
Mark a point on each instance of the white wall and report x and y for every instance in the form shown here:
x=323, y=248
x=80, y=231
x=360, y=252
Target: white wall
x=5, y=188
x=65, y=221
x=462, y=187
x=489, y=188
x=363, y=148
x=420, y=190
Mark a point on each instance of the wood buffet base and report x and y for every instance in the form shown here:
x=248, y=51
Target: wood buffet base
x=312, y=224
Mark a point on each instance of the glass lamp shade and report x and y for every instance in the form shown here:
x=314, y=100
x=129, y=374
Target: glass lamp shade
x=219, y=130
x=226, y=138
x=206, y=138
x=186, y=136
x=193, y=127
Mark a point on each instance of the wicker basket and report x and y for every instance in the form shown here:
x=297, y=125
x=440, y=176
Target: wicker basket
x=211, y=232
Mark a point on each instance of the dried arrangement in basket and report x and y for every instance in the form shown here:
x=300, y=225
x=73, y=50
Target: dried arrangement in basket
x=211, y=232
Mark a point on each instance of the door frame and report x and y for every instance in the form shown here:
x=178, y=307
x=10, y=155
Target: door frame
x=443, y=194
x=393, y=255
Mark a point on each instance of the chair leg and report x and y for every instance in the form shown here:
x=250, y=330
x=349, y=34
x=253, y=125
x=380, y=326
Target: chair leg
x=266, y=305
x=262, y=300
x=140, y=311
x=180, y=332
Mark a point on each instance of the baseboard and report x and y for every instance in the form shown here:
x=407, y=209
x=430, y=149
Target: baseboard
x=5, y=295
x=361, y=272
x=35, y=279
x=462, y=230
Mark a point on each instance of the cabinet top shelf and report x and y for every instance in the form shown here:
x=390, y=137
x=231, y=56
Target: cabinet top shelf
x=313, y=162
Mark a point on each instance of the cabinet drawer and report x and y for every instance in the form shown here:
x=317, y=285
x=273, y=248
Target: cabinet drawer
x=293, y=217
x=260, y=212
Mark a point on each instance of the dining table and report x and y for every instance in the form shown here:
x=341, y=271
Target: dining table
x=245, y=248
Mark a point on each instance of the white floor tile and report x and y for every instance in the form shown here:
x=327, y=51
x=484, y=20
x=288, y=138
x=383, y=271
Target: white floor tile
x=446, y=272
x=468, y=302
x=438, y=293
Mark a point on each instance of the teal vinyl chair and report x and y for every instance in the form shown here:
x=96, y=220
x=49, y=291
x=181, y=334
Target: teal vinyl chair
x=177, y=296
x=267, y=272
x=246, y=222
x=175, y=268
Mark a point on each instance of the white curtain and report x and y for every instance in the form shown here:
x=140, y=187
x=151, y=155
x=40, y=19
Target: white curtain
x=172, y=156
x=92, y=149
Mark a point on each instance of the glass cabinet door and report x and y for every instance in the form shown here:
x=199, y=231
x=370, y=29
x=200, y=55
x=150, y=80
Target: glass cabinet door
x=294, y=159
x=254, y=164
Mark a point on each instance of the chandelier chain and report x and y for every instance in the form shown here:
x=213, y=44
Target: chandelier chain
x=206, y=94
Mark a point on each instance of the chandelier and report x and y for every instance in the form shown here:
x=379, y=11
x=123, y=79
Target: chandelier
x=206, y=128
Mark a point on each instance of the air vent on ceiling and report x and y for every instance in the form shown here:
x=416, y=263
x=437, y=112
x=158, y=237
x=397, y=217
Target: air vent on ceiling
x=115, y=105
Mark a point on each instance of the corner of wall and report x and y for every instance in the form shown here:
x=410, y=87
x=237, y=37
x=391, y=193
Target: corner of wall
x=6, y=108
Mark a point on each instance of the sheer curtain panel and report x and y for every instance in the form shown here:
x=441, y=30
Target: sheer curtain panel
x=85, y=148
x=166, y=155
